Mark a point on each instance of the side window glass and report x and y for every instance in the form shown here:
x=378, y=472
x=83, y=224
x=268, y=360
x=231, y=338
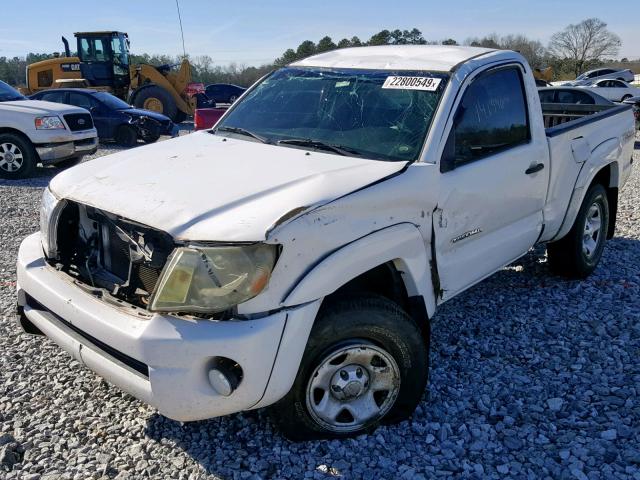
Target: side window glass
x=85, y=52
x=546, y=96
x=57, y=97
x=101, y=54
x=491, y=118
x=80, y=100
x=582, y=98
x=92, y=50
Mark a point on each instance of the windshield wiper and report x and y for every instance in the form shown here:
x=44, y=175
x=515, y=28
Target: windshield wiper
x=241, y=131
x=307, y=142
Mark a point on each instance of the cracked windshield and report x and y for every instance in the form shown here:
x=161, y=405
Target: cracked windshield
x=381, y=115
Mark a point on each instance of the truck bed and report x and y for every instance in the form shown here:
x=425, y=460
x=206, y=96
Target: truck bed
x=578, y=132
x=570, y=115
x=560, y=113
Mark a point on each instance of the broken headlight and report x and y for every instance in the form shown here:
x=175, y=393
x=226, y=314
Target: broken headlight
x=212, y=279
x=50, y=211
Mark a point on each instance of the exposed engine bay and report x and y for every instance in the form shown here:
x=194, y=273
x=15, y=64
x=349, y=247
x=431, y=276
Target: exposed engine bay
x=108, y=252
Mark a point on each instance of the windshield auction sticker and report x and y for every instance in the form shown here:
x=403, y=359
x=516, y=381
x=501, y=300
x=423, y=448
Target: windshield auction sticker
x=429, y=84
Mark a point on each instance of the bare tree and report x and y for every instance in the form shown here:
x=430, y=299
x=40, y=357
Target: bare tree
x=584, y=44
x=532, y=50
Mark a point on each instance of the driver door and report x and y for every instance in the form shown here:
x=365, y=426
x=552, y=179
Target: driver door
x=493, y=181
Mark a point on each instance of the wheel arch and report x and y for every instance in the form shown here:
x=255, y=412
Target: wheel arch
x=607, y=175
x=395, y=254
x=17, y=132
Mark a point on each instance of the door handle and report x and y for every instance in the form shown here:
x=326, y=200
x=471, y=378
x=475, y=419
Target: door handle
x=536, y=168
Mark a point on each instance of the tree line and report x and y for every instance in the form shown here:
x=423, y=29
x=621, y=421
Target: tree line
x=577, y=48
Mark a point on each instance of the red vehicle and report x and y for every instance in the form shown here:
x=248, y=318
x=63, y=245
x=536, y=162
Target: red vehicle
x=205, y=118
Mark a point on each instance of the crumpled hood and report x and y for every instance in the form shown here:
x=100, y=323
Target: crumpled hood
x=39, y=107
x=207, y=187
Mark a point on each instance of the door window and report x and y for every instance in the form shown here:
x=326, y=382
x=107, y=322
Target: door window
x=57, y=97
x=546, y=96
x=80, y=100
x=120, y=56
x=570, y=96
x=492, y=117
x=93, y=50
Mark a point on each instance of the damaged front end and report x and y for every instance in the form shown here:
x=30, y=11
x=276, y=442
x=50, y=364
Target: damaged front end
x=110, y=253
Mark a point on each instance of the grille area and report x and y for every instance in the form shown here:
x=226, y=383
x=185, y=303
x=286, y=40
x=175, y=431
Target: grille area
x=106, y=251
x=79, y=121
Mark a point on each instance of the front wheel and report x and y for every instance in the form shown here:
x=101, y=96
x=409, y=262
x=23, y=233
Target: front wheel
x=126, y=136
x=366, y=363
x=578, y=253
x=625, y=97
x=18, y=158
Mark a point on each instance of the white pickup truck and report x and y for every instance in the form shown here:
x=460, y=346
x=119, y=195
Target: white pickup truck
x=32, y=132
x=294, y=255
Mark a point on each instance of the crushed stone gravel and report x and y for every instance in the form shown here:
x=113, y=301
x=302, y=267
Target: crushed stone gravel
x=532, y=376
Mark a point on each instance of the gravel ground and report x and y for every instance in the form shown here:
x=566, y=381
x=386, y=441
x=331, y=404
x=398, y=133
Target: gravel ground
x=532, y=376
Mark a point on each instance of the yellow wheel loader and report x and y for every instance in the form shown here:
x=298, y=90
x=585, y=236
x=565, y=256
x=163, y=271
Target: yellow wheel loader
x=103, y=64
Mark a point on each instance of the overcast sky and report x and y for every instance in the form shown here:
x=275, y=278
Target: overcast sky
x=251, y=32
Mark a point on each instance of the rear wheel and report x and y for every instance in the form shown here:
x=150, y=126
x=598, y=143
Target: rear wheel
x=126, y=136
x=18, y=158
x=625, y=97
x=365, y=363
x=578, y=253
x=156, y=99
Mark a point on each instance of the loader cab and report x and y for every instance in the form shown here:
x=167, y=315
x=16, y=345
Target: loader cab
x=104, y=59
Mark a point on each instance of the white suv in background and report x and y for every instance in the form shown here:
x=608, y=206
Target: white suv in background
x=33, y=132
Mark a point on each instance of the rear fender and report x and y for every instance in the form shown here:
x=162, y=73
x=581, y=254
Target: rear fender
x=605, y=155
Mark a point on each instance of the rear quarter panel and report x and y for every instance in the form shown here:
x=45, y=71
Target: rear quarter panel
x=605, y=141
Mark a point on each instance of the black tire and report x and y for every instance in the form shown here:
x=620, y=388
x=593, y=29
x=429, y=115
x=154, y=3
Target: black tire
x=70, y=162
x=146, y=97
x=151, y=138
x=625, y=97
x=18, y=158
x=180, y=117
x=126, y=136
x=567, y=256
x=233, y=98
x=376, y=323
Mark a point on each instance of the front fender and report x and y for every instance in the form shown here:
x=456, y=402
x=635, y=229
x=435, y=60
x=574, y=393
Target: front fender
x=401, y=244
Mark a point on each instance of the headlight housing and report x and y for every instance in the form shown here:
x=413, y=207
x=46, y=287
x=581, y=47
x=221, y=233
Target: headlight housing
x=212, y=279
x=49, y=123
x=50, y=210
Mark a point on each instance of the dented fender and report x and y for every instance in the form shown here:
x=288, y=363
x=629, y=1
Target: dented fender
x=401, y=244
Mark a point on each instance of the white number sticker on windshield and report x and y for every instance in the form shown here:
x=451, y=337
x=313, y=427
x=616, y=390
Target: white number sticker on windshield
x=429, y=84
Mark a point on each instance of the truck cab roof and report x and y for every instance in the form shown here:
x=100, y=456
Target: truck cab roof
x=444, y=58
